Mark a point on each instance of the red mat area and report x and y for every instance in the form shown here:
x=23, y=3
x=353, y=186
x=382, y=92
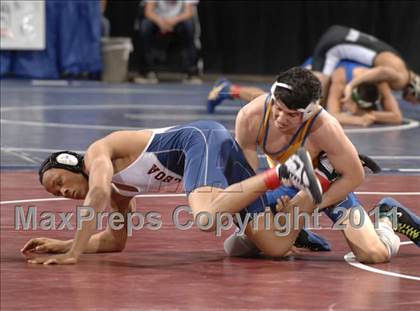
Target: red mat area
x=170, y=269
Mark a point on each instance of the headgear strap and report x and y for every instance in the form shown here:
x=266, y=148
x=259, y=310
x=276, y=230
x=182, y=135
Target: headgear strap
x=307, y=111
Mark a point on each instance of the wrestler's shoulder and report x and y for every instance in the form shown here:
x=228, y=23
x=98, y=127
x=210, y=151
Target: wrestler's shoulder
x=326, y=123
x=254, y=108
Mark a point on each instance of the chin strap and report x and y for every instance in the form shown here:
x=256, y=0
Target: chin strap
x=307, y=111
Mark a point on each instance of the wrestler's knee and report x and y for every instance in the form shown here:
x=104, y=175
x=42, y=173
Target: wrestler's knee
x=273, y=252
x=240, y=246
x=375, y=254
x=205, y=221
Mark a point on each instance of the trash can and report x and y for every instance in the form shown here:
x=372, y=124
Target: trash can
x=115, y=53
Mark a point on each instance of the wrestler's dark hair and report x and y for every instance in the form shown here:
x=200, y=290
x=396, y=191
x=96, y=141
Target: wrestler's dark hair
x=306, y=88
x=368, y=92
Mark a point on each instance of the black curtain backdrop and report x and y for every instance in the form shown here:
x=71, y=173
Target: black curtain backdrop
x=266, y=37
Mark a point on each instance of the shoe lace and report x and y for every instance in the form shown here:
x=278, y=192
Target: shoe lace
x=408, y=230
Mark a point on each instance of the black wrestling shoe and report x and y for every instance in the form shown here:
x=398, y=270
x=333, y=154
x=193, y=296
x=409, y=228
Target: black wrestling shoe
x=408, y=223
x=298, y=172
x=309, y=240
x=369, y=163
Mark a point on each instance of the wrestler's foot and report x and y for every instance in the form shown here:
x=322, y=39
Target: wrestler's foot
x=219, y=92
x=408, y=223
x=369, y=163
x=308, y=239
x=298, y=172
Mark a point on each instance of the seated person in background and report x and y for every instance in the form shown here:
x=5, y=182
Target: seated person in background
x=162, y=18
x=369, y=103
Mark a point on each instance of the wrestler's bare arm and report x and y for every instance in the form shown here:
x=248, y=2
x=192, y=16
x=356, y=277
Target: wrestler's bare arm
x=110, y=240
x=99, y=164
x=391, y=113
x=335, y=94
x=343, y=157
x=377, y=75
x=338, y=82
x=246, y=130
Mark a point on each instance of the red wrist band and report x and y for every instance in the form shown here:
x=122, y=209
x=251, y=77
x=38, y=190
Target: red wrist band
x=271, y=179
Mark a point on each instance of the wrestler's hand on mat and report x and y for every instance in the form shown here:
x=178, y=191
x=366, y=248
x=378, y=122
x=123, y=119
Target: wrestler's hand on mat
x=46, y=245
x=62, y=259
x=367, y=119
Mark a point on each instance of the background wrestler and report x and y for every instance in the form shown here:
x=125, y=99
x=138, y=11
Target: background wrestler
x=341, y=42
x=370, y=103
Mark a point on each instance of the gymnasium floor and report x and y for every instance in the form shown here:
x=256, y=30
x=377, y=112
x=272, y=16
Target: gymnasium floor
x=170, y=269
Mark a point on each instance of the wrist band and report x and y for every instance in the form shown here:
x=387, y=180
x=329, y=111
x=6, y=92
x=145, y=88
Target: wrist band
x=271, y=179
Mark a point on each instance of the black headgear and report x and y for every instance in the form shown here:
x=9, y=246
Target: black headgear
x=67, y=160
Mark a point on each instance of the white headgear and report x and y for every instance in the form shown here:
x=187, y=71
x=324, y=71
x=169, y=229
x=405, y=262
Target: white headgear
x=307, y=111
x=414, y=86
